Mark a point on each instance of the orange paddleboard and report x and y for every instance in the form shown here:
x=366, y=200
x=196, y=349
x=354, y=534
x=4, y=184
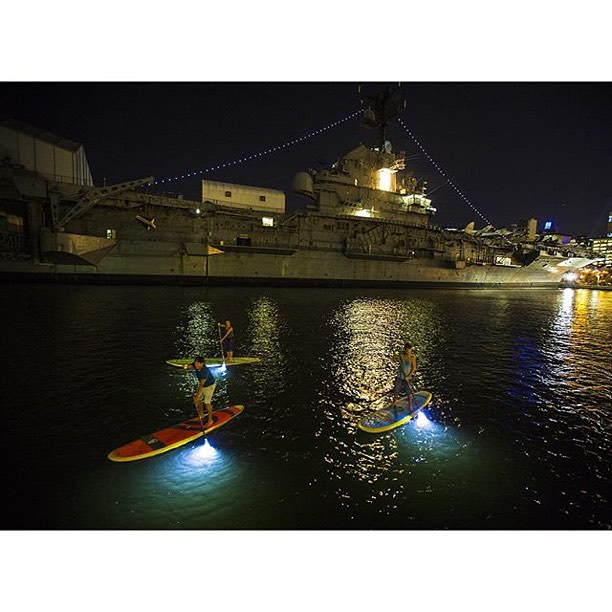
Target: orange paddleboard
x=172, y=437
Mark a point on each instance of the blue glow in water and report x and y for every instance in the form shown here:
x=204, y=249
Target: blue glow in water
x=422, y=422
x=422, y=428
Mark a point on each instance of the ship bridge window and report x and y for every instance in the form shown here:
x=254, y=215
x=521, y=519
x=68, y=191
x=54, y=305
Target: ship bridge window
x=384, y=179
x=267, y=221
x=111, y=234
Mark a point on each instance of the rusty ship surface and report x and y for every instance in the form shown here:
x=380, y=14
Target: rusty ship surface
x=367, y=222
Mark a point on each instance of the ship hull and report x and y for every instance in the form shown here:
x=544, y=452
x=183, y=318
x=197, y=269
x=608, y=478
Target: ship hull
x=143, y=262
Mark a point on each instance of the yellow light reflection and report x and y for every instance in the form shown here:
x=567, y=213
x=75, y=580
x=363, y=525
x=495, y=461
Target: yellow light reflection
x=575, y=334
x=266, y=331
x=198, y=335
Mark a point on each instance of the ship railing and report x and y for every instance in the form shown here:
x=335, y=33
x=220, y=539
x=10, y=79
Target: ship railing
x=354, y=248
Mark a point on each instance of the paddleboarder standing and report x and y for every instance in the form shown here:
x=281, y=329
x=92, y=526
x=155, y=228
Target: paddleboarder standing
x=227, y=339
x=407, y=365
x=202, y=398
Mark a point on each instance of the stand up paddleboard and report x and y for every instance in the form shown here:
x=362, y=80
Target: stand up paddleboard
x=172, y=437
x=390, y=417
x=214, y=362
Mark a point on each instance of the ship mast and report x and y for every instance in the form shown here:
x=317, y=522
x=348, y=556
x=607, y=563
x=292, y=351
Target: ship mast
x=381, y=108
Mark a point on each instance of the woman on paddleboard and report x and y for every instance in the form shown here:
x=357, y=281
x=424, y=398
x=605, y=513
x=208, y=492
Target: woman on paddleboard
x=227, y=339
x=407, y=365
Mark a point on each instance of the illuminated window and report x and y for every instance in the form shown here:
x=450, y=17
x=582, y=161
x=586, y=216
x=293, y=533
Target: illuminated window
x=267, y=221
x=111, y=234
x=228, y=194
x=384, y=179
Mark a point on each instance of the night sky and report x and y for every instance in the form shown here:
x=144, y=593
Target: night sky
x=514, y=149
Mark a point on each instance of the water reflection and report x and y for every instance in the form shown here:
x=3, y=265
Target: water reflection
x=265, y=333
x=198, y=334
x=566, y=395
x=365, y=335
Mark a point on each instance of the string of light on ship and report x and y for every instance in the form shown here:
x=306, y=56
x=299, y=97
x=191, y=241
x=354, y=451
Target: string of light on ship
x=446, y=178
x=266, y=152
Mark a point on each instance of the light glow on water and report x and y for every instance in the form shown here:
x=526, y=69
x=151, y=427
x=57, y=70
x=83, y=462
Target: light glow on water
x=422, y=421
x=201, y=454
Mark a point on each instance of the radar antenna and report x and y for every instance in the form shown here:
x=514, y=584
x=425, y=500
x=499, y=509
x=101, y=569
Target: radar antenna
x=379, y=110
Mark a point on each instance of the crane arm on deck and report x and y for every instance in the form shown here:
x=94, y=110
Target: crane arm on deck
x=92, y=196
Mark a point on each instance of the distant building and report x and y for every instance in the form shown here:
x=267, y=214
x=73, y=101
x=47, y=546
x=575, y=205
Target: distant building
x=603, y=247
x=609, y=230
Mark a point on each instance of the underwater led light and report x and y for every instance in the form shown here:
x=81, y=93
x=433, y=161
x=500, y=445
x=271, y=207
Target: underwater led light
x=202, y=454
x=422, y=420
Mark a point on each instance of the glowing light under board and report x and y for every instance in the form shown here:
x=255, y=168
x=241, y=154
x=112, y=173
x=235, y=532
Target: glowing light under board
x=422, y=420
x=201, y=454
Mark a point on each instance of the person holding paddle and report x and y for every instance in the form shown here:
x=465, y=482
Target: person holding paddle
x=202, y=398
x=226, y=334
x=407, y=365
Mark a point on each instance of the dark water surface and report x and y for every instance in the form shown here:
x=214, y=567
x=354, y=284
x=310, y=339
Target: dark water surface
x=518, y=435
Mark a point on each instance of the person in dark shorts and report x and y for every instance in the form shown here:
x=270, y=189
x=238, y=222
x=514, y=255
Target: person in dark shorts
x=227, y=339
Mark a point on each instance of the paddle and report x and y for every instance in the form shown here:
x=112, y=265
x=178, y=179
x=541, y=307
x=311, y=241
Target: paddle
x=201, y=424
x=221, y=343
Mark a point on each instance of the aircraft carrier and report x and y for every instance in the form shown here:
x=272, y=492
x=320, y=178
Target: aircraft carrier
x=367, y=222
